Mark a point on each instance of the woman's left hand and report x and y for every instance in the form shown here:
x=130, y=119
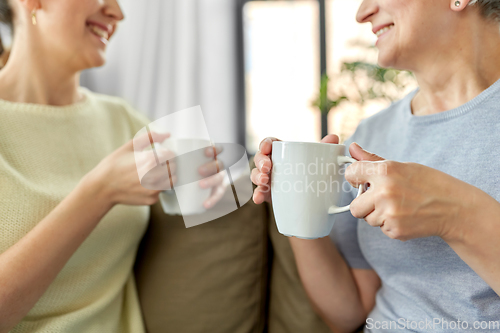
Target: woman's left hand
x=409, y=200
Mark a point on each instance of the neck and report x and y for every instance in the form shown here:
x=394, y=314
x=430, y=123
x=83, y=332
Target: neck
x=459, y=73
x=32, y=76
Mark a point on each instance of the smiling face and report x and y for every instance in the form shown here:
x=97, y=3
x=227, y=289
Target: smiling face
x=75, y=32
x=409, y=32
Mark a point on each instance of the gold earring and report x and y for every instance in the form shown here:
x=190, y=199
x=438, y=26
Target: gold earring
x=33, y=16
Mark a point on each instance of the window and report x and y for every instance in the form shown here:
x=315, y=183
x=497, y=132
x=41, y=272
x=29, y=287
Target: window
x=282, y=69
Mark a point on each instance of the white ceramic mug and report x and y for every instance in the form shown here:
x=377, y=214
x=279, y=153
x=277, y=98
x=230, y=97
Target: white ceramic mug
x=188, y=197
x=306, y=185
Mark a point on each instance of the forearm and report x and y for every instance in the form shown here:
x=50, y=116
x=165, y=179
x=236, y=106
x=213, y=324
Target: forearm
x=329, y=283
x=476, y=239
x=29, y=267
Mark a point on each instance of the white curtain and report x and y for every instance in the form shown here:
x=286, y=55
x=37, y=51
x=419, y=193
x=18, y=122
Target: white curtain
x=168, y=55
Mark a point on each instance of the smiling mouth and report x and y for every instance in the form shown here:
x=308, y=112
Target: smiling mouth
x=99, y=32
x=384, y=30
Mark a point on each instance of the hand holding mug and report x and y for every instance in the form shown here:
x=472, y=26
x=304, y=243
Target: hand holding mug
x=307, y=183
x=261, y=174
x=410, y=200
x=199, y=174
x=116, y=176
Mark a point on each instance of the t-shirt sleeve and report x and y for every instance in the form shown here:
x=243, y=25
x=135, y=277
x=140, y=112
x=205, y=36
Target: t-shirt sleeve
x=345, y=228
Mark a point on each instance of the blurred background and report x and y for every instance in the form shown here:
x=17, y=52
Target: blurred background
x=293, y=69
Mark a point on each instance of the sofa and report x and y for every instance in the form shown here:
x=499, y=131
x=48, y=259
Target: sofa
x=236, y=274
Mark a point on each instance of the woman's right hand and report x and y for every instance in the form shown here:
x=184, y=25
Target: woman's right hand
x=116, y=181
x=261, y=174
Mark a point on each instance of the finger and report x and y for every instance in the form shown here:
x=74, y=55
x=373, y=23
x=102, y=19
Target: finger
x=145, y=162
x=145, y=140
x=262, y=160
x=266, y=145
x=159, y=137
x=212, y=181
x=258, y=197
x=158, y=181
x=217, y=194
x=209, y=151
x=163, y=154
x=374, y=219
x=259, y=178
x=172, y=167
x=211, y=168
x=261, y=194
x=360, y=154
x=331, y=138
x=138, y=143
x=364, y=172
x=263, y=163
x=254, y=176
x=363, y=205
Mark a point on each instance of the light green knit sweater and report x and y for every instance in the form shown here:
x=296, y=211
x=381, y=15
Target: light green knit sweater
x=44, y=152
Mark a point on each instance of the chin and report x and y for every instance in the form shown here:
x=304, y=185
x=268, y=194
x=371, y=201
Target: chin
x=100, y=63
x=386, y=60
x=97, y=60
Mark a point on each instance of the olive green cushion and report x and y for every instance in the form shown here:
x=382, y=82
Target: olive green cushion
x=208, y=278
x=236, y=274
x=289, y=308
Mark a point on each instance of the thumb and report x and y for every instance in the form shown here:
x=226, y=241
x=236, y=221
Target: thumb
x=331, y=138
x=360, y=154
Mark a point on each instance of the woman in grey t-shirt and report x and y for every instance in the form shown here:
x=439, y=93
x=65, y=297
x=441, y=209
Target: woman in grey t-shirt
x=419, y=250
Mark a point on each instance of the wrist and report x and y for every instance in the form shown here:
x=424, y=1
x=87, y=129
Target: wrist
x=92, y=187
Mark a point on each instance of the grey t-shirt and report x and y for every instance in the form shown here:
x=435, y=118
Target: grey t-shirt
x=426, y=287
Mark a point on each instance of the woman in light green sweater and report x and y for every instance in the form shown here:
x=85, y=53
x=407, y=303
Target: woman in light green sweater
x=72, y=210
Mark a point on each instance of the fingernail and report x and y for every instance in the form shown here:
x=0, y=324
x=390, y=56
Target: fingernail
x=265, y=140
x=261, y=164
x=263, y=179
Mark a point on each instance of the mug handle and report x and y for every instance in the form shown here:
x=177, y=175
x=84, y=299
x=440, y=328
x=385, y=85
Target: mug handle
x=362, y=188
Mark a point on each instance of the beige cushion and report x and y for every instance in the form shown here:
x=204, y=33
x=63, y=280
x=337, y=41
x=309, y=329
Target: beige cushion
x=208, y=278
x=289, y=308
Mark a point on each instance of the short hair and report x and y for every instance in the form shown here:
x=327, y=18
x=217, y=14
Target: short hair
x=489, y=9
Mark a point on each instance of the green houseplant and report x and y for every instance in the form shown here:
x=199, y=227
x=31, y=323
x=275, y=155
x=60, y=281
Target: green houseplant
x=360, y=82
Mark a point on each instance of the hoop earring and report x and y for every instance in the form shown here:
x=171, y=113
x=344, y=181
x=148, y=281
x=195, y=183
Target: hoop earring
x=457, y=3
x=33, y=16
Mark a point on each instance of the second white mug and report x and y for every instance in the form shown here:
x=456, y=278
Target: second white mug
x=189, y=197
x=306, y=185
